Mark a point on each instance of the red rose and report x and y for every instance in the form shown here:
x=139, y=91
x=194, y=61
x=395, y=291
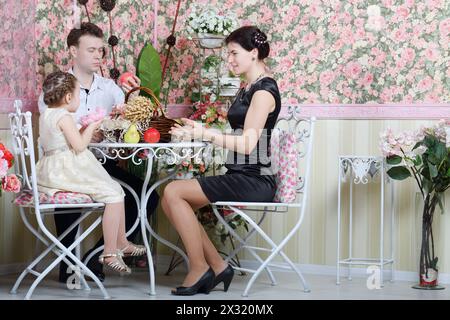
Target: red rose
x=8, y=157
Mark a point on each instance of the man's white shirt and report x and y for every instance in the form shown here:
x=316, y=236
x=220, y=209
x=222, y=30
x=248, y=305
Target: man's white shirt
x=103, y=93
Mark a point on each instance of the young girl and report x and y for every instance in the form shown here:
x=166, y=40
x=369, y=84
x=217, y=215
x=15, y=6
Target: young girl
x=67, y=165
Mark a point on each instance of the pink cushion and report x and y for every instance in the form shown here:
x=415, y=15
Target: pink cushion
x=284, y=157
x=25, y=199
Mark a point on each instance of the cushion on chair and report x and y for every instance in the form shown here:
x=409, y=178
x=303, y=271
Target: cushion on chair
x=25, y=199
x=284, y=157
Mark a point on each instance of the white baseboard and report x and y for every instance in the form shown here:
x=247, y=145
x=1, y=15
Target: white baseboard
x=314, y=269
x=327, y=270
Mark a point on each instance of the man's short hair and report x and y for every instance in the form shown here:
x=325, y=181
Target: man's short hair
x=86, y=28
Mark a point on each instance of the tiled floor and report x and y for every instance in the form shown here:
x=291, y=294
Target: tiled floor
x=135, y=287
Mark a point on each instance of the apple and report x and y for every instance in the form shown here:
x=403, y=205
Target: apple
x=125, y=78
x=151, y=135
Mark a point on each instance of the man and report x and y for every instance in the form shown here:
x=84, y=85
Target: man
x=86, y=47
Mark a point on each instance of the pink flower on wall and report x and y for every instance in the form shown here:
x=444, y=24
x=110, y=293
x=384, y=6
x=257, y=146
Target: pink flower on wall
x=425, y=84
x=352, y=70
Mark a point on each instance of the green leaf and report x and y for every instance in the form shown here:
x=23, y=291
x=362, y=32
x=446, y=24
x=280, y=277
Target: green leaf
x=441, y=151
x=433, y=170
x=399, y=173
x=448, y=172
x=149, y=69
x=427, y=185
x=417, y=161
x=418, y=144
x=395, y=159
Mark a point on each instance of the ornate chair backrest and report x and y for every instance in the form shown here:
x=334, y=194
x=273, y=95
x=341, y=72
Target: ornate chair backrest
x=23, y=149
x=300, y=132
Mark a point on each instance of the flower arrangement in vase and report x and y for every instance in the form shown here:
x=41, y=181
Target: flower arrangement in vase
x=211, y=26
x=424, y=155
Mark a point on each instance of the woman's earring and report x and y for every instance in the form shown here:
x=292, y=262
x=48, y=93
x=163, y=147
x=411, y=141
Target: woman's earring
x=253, y=59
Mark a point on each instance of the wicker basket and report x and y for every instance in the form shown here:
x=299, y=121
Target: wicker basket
x=159, y=122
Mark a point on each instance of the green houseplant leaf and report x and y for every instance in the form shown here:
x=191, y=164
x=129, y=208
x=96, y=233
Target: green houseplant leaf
x=394, y=159
x=149, y=69
x=399, y=173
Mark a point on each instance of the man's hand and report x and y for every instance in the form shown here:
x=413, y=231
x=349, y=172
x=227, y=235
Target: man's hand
x=132, y=82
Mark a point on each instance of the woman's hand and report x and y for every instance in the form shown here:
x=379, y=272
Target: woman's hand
x=190, y=129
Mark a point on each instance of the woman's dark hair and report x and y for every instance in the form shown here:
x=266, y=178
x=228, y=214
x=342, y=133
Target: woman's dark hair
x=249, y=38
x=56, y=86
x=86, y=28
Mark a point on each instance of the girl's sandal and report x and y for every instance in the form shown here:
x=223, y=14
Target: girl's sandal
x=138, y=250
x=116, y=265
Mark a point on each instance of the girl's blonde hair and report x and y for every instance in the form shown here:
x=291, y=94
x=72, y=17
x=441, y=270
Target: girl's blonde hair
x=56, y=86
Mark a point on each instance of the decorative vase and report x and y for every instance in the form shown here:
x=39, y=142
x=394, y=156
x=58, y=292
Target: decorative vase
x=229, y=86
x=210, y=41
x=428, y=272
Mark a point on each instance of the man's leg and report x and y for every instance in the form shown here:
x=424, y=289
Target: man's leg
x=62, y=222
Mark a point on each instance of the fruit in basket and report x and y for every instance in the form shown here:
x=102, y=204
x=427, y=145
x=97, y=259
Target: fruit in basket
x=151, y=135
x=132, y=135
x=125, y=78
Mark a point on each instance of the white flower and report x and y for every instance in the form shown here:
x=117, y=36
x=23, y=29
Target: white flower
x=311, y=68
x=364, y=60
x=400, y=79
x=373, y=11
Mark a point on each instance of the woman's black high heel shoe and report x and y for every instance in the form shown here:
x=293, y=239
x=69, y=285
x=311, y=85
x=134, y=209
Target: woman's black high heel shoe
x=225, y=276
x=203, y=285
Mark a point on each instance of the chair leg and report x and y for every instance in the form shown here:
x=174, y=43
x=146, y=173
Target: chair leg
x=84, y=283
x=50, y=247
x=68, y=252
x=297, y=271
x=242, y=241
x=276, y=249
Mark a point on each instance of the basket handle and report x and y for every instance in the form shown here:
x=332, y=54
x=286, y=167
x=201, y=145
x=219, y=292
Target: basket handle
x=150, y=92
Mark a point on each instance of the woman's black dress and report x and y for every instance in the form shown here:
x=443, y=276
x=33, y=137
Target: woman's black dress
x=249, y=177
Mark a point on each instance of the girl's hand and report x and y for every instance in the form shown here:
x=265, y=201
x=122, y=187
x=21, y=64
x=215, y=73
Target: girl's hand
x=97, y=135
x=96, y=124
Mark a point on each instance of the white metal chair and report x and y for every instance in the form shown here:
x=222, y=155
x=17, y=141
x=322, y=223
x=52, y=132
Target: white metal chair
x=303, y=130
x=23, y=149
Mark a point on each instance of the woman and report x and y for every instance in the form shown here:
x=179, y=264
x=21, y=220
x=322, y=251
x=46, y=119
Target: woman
x=252, y=116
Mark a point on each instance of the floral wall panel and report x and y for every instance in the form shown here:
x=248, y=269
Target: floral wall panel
x=17, y=52
x=334, y=51
x=322, y=51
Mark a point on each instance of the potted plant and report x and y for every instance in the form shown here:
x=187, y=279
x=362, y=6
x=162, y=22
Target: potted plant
x=210, y=25
x=424, y=155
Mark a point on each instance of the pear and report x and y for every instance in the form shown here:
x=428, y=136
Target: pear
x=132, y=135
